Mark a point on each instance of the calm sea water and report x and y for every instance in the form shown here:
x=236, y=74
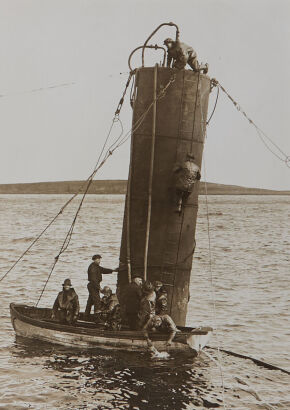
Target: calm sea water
x=250, y=270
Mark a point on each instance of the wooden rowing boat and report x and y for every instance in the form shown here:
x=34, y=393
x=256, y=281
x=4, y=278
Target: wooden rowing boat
x=35, y=323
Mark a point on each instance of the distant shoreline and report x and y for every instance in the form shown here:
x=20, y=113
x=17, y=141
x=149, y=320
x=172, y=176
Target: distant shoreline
x=120, y=186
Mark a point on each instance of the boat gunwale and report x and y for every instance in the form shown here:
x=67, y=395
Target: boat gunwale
x=120, y=334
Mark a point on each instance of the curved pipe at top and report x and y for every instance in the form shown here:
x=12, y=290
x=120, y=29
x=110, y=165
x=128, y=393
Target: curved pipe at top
x=155, y=31
x=156, y=47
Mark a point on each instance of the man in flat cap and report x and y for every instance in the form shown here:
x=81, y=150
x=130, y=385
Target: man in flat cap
x=95, y=272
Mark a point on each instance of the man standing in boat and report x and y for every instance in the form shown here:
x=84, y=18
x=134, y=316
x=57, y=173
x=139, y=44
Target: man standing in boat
x=95, y=272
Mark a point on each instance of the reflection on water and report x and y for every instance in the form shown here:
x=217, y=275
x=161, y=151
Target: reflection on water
x=250, y=245
x=125, y=378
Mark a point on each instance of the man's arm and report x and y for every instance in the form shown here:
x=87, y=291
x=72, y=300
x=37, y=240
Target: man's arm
x=171, y=337
x=171, y=327
x=110, y=307
x=76, y=306
x=106, y=271
x=145, y=333
x=169, y=60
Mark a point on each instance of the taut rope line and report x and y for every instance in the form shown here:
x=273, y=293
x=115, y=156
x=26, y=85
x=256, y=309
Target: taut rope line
x=212, y=285
x=151, y=171
x=261, y=134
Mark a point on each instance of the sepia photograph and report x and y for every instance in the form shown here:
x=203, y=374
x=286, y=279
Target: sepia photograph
x=144, y=204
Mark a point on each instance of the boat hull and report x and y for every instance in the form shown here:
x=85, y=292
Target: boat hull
x=82, y=337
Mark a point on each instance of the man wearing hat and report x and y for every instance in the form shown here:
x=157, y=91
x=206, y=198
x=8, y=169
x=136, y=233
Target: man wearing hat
x=95, y=272
x=66, y=306
x=181, y=54
x=185, y=176
x=161, y=298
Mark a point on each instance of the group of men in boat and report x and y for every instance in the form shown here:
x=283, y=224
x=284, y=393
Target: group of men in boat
x=140, y=306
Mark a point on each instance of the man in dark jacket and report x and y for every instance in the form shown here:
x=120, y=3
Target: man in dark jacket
x=95, y=272
x=130, y=301
x=66, y=306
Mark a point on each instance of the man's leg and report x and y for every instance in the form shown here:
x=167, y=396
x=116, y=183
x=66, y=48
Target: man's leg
x=193, y=63
x=61, y=316
x=94, y=296
x=89, y=306
x=132, y=321
x=90, y=301
x=96, y=300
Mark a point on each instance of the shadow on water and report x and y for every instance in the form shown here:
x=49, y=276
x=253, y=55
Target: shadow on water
x=126, y=379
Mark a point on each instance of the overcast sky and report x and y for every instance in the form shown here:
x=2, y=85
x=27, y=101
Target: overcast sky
x=56, y=134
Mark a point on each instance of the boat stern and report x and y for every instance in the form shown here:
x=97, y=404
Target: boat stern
x=199, y=338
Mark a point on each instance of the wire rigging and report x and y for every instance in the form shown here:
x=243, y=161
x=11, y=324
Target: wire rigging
x=86, y=184
x=261, y=134
x=36, y=90
x=204, y=125
x=213, y=295
x=215, y=105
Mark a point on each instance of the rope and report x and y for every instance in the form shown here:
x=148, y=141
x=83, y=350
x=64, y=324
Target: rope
x=212, y=283
x=256, y=361
x=204, y=131
x=250, y=389
x=40, y=235
x=215, y=104
x=36, y=90
x=108, y=153
x=128, y=201
x=151, y=170
x=119, y=107
x=115, y=119
x=261, y=134
x=196, y=98
x=61, y=210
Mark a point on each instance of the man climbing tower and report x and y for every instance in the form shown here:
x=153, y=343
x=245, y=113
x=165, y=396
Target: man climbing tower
x=185, y=176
